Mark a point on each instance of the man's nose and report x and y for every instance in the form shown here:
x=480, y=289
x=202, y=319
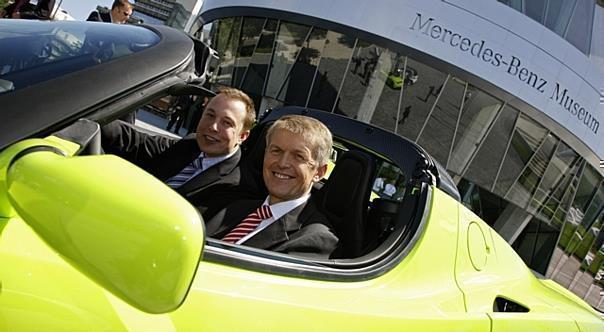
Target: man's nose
x=284, y=160
x=214, y=126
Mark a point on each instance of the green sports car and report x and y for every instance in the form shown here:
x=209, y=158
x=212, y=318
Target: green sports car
x=89, y=241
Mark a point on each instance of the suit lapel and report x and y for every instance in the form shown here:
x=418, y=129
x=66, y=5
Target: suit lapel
x=278, y=231
x=210, y=175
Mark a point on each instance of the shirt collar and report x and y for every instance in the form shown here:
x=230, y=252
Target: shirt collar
x=207, y=162
x=282, y=208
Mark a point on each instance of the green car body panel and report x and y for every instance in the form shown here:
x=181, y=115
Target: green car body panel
x=448, y=281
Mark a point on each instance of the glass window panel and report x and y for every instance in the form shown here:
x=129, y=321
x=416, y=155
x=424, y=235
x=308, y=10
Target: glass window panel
x=297, y=85
x=557, y=176
x=437, y=136
x=569, y=193
x=226, y=37
x=483, y=168
x=558, y=194
x=527, y=137
x=535, y=9
x=558, y=15
x=479, y=112
x=526, y=184
x=579, y=30
x=250, y=34
x=332, y=67
x=593, y=266
x=418, y=98
x=365, y=60
x=386, y=112
x=255, y=75
x=587, y=187
x=594, y=209
x=290, y=40
x=536, y=244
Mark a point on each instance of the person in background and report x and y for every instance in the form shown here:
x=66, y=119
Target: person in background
x=22, y=9
x=121, y=10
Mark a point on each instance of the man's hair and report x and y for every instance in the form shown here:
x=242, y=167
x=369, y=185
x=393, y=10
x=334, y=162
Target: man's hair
x=250, y=111
x=121, y=3
x=313, y=131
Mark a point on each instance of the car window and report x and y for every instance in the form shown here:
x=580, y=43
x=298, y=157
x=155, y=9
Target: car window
x=39, y=52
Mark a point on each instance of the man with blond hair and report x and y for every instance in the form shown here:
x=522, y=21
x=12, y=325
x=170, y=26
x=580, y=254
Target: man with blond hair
x=288, y=221
x=120, y=12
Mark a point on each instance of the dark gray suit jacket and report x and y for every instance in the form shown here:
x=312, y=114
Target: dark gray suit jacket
x=304, y=231
x=164, y=157
x=96, y=16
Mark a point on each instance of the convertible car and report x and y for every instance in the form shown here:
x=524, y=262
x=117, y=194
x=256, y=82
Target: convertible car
x=89, y=241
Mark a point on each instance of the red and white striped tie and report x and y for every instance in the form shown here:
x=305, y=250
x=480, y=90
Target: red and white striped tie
x=248, y=224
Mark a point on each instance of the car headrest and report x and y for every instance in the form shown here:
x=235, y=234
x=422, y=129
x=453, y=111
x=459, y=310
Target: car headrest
x=344, y=200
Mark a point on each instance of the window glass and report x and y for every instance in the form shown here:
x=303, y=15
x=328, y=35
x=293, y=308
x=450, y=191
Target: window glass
x=593, y=267
x=567, y=195
x=579, y=30
x=255, y=75
x=535, y=9
x=296, y=88
x=387, y=113
x=33, y=53
x=525, y=186
x=556, y=176
x=536, y=244
x=362, y=85
x=480, y=110
x=418, y=98
x=437, y=136
x=587, y=187
x=528, y=136
x=558, y=15
x=225, y=43
x=251, y=31
x=380, y=102
x=484, y=167
x=332, y=68
x=290, y=40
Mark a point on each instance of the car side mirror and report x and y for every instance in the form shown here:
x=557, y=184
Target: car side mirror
x=112, y=221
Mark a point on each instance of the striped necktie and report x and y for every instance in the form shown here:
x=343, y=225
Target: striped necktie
x=186, y=174
x=248, y=224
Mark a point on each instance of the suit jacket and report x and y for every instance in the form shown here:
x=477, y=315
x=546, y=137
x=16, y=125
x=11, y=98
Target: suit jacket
x=304, y=231
x=164, y=157
x=96, y=16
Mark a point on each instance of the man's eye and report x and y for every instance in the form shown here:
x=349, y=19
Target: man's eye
x=300, y=157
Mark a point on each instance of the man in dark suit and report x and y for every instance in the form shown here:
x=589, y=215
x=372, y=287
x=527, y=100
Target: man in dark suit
x=121, y=10
x=199, y=165
x=288, y=221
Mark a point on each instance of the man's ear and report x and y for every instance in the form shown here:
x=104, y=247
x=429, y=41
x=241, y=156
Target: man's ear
x=244, y=135
x=320, y=173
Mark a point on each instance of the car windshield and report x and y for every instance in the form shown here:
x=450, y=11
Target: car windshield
x=33, y=52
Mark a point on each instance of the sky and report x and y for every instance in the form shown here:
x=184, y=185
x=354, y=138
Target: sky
x=79, y=9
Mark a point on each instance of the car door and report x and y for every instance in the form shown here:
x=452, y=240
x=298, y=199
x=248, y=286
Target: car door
x=496, y=282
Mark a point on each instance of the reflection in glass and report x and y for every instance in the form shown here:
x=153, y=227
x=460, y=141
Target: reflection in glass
x=479, y=112
x=419, y=98
x=225, y=41
x=558, y=15
x=356, y=86
x=525, y=186
x=386, y=113
x=579, y=30
x=535, y=244
x=557, y=176
x=250, y=34
x=255, y=74
x=290, y=40
x=437, y=135
x=296, y=87
x=484, y=167
x=334, y=59
x=535, y=9
x=527, y=137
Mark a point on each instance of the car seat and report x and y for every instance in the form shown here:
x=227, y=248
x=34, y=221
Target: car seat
x=344, y=200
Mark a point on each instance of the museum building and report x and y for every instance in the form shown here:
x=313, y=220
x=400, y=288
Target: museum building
x=507, y=95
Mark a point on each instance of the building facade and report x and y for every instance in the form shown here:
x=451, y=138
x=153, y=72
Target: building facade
x=507, y=95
